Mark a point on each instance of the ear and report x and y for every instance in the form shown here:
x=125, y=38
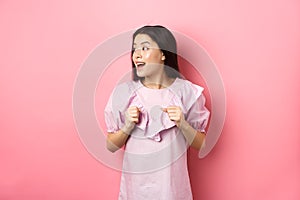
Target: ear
x=163, y=57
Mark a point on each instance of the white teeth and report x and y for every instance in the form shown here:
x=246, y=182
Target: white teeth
x=139, y=64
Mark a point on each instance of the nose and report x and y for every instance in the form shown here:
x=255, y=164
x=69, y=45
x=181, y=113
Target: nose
x=137, y=54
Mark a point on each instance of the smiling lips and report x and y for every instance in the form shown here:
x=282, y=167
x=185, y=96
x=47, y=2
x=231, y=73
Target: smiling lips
x=140, y=64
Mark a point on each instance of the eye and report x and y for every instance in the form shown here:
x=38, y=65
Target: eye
x=145, y=48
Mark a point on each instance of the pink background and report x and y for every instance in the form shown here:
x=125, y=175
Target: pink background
x=255, y=44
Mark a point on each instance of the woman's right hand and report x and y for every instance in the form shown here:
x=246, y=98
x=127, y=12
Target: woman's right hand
x=131, y=118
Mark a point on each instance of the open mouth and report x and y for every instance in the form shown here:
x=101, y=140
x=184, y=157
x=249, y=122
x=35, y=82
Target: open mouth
x=140, y=64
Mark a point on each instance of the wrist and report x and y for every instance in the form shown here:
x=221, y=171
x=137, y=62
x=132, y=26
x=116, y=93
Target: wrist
x=183, y=125
x=127, y=128
x=186, y=127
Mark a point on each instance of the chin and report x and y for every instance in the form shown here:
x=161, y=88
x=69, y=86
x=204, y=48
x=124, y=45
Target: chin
x=141, y=75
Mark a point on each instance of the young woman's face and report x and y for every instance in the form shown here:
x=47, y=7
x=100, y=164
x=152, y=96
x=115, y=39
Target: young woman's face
x=147, y=56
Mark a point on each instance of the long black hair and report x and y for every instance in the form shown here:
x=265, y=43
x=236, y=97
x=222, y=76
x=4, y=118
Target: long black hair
x=167, y=44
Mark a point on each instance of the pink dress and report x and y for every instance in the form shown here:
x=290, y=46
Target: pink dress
x=155, y=158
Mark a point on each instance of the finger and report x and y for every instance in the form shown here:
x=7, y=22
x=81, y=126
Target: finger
x=134, y=114
x=164, y=109
x=176, y=118
x=173, y=118
x=135, y=119
x=132, y=108
x=173, y=109
x=174, y=112
x=133, y=111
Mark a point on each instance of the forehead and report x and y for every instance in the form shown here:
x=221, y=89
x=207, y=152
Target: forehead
x=143, y=38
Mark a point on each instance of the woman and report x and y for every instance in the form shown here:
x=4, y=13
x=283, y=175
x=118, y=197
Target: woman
x=156, y=116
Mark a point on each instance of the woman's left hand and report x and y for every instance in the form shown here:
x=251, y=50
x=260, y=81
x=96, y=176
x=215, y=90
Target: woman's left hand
x=175, y=114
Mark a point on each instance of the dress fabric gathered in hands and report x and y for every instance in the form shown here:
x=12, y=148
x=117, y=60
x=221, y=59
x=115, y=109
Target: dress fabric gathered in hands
x=155, y=157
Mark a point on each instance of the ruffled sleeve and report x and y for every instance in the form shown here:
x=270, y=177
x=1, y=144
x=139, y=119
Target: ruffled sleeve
x=196, y=114
x=113, y=118
x=114, y=112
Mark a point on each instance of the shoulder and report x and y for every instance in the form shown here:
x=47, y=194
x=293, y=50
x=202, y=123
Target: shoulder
x=123, y=94
x=126, y=87
x=186, y=88
x=187, y=92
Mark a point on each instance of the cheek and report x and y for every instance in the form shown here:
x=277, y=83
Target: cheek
x=147, y=55
x=152, y=56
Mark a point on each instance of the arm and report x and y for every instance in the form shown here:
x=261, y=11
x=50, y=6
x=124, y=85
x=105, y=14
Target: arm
x=115, y=141
x=195, y=138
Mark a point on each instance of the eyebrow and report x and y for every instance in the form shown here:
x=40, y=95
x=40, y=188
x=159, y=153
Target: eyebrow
x=146, y=42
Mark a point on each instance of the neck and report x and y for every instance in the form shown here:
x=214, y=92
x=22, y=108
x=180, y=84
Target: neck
x=158, y=82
